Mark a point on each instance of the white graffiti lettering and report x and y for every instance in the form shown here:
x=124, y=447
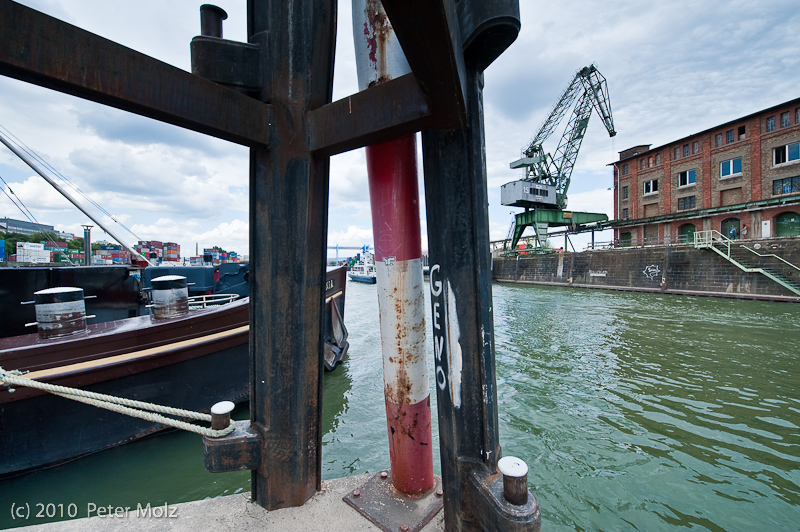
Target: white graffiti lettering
x=438, y=336
x=436, y=286
x=441, y=378
x=438, y=344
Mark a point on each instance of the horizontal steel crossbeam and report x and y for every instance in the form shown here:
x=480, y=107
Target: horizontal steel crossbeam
x=45, y=51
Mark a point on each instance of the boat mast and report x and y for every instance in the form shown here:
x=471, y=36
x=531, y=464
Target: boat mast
x=67, y=195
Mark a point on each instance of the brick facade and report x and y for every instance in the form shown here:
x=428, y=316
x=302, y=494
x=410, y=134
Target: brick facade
x=734, y=170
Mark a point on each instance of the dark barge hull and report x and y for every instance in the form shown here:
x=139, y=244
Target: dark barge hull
x=189, y=362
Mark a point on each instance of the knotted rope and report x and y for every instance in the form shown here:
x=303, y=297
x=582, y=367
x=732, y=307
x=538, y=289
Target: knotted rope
x=130, y=407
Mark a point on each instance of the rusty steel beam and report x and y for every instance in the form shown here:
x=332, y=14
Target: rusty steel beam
x=428, y=31
x=382, y=112
x=45, y=51
x=289, y=203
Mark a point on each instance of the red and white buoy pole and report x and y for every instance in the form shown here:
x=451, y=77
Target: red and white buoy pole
x=394, y=197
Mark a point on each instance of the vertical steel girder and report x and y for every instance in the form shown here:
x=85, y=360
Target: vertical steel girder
x=463, y=330
x=289, y=203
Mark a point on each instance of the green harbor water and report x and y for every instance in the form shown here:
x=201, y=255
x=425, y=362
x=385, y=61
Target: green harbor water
x=633, y=412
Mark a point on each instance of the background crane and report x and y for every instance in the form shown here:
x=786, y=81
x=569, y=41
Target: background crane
x=547, y=176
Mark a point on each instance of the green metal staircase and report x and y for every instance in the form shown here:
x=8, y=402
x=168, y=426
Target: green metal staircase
x=721, y=244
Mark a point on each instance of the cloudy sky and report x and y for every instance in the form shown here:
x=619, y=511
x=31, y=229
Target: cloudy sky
x=673, y=68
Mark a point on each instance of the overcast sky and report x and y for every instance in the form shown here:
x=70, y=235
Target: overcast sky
x=673, y=69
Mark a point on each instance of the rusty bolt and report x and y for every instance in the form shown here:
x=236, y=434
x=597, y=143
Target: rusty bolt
x=439, y=493
x=356, y=494
x=384, y=474
x=404, y=528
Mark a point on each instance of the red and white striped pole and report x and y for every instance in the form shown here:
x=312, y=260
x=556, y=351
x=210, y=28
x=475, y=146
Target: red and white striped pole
x=394, y=197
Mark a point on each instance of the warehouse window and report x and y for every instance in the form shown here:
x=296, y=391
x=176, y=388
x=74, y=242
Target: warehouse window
x=770, y=124
x=741, y=132
x=786, y=186
x=658, y=159
x=686, y=178
x=730, y=167
x=676, y=153
x=797, y=116
x=625, y=213
x=685, y=150
x=625, y=192
x=785, y=119
x=695, y=147
x=641, y=163
x=686, y=203
x=729, y=136
x=718, y=140
x=786, y=154
x=650, y=187
x=624, y=169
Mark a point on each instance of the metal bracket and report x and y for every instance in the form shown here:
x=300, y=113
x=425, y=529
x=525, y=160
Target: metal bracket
x=237, y=451
x=390, y=510
x=234, y=64
x=494, y=512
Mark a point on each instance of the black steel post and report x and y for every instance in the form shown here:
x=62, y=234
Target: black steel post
x=463, y=331
x=288, y=225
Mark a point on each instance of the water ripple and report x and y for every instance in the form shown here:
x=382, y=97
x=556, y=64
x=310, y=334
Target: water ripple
x=647, y=412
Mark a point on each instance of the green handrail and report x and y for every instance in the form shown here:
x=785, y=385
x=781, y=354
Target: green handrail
x=771, y=255
x=707, y=238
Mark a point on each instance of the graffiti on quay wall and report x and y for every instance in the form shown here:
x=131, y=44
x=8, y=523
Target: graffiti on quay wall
x=651, y=272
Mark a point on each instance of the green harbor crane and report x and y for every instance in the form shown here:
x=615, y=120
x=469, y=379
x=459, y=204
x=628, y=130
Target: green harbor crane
x=543, y=190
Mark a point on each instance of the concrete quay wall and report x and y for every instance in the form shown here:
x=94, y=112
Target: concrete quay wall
x=674, y=269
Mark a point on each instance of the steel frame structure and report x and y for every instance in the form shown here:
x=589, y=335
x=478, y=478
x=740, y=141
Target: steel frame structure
x=274, y=96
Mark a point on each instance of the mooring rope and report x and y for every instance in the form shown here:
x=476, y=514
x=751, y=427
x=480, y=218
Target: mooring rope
x=121, y=405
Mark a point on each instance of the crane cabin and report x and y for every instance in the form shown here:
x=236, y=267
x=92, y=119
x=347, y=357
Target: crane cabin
x=529, y=194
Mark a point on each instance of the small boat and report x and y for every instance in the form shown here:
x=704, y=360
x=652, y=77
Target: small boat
x=189, y=361
x=364, y=270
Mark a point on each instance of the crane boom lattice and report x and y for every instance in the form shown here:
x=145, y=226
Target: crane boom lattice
x=547, y=177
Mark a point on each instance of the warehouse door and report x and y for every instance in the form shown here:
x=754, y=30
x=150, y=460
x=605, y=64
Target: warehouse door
x=625, y=238
x=686, y=233
x=788, y=224
x=730, y=228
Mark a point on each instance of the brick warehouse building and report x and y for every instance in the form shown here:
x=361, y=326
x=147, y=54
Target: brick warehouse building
x=741, y=178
